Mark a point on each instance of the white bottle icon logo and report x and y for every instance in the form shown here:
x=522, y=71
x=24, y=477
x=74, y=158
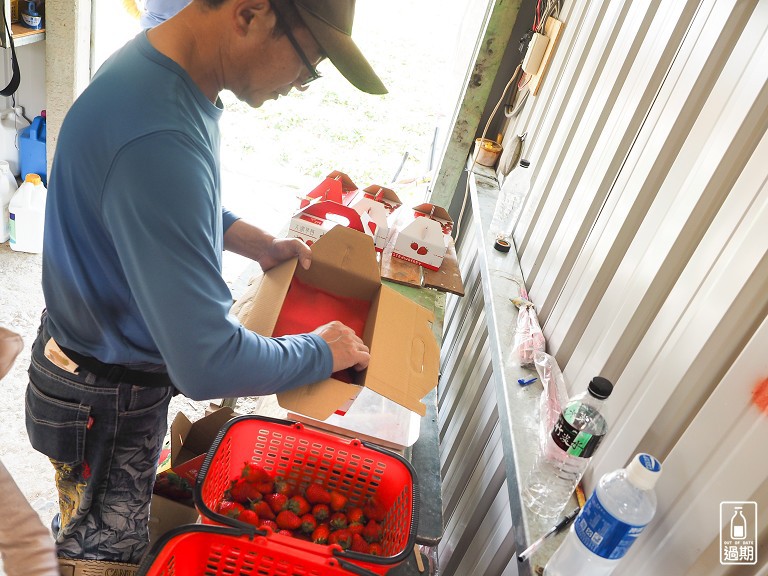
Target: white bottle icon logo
x=738, y=525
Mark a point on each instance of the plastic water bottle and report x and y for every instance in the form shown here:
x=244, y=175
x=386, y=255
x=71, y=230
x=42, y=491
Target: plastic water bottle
x=8, y=188
x=27, y=215
x=572, y=442
x=510, y=200
x=614, y=516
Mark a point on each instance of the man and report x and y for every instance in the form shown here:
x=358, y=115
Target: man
x=132, y=257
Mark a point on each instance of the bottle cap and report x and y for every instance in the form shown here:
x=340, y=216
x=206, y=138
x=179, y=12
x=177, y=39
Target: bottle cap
x=643, y=471
x=34, y=178
x=524, y=163
x=600, y=387
x=501, y=245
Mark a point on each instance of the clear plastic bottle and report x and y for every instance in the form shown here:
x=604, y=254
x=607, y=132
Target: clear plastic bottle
x=614, y=516
x=510, y=199
x=8, y=188
x=572, y=442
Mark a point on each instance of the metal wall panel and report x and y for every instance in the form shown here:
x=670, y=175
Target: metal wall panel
x=643, y=243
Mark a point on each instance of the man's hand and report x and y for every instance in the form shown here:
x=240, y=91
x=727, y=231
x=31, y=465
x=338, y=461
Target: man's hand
x=348, y=350
x=282, y=249
x=254, y=243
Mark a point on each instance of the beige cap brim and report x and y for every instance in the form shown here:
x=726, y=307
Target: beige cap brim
x=344, y=53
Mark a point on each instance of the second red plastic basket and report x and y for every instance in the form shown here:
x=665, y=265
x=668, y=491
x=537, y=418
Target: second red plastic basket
x=302, y=456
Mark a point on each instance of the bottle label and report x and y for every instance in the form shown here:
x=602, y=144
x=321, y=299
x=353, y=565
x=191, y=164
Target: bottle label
x=603, y=534
x=574, y=442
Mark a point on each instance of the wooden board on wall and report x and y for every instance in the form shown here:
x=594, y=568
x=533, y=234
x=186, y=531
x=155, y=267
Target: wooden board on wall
x=552, y=30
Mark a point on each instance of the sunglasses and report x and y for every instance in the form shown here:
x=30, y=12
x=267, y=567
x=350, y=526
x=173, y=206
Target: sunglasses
x=313, y=73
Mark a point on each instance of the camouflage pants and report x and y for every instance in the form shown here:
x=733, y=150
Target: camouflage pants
x=104, y=440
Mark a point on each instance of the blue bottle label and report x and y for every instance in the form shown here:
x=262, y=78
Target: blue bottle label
x=603, y=534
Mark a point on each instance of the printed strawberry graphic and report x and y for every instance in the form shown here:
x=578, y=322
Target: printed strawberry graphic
x=249, y=517
x=316, y=494
x=372, y=531
x=321, y=512
x=342, y=538
x=414, y=246
x=320, y=534
x=308, y=523
x=338, y=521
x=277, y=502
x=338, y=501
x=263, y=510
x=422, y=250
x=287, y=520
x=299, y=505
x=359, y=544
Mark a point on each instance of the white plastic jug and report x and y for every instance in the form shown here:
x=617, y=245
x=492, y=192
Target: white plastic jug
x=8, y=188
x=27, y=215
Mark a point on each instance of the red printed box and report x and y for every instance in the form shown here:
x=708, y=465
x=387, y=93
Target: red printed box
x=424, y=240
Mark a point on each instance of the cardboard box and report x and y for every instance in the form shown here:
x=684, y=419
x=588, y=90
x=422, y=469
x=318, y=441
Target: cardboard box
x=404, y=352
x=314, y=220
x=424, y=240
x=166, y=514
x=190, y=441
x=336, y=187
x=381, y=205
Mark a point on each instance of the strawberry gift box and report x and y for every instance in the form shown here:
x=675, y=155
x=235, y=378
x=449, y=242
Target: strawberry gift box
x=424, y=238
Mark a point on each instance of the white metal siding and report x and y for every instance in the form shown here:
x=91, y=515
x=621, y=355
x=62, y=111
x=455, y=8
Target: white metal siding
x=644, y=243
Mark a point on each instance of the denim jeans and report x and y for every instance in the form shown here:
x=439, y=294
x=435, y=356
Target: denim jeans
x=104, y=441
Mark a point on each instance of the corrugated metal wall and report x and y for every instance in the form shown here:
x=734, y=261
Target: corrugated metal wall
x=644, y=244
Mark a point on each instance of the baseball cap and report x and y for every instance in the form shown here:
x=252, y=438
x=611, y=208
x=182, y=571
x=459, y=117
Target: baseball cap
x=330, y=22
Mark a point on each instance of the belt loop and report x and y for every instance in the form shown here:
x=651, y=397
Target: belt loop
x=116, y=373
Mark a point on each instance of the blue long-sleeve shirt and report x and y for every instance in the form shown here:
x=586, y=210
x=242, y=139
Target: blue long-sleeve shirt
x=134, y=238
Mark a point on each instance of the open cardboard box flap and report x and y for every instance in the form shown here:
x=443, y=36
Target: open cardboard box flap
x=404, y=353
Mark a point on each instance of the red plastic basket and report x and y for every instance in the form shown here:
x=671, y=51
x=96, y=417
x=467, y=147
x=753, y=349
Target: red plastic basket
x=196, y=550
x=302, y=455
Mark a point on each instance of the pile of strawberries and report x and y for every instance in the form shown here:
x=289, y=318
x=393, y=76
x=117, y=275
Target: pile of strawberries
x=311, y=513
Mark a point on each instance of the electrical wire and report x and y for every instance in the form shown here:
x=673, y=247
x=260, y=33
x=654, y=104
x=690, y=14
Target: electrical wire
x=482, y=137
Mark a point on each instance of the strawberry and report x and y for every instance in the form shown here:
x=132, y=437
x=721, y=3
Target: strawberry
x=285, y=533
x=356, y=515
x=287, y=520
x=281, y=486
x=320, y=534
x=338, y=501
x=299, y=505
x=338, y=521
x=277, y=502
x=230, y=508
x=249, y=517
x=263, y=510
x=244, y=492
x=255, y=474
x=269, y=524
x=376, y=549
x=321, y=512
x=308, y=523
x=359, y=544
x=374, y=510
x=342, y=538
x=372, y=531
x=356, y=528
x=316, y=494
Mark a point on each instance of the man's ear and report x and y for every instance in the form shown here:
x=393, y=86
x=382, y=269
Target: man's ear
x=253, y=15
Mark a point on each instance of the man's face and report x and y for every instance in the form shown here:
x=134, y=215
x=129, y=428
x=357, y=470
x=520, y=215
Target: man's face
x=275, y=68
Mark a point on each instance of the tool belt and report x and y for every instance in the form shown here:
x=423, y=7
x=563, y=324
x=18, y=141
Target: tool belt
x=71, y=567
x=118, y=373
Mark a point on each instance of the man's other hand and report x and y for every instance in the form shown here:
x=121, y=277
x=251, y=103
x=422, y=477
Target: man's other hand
x=282, y=249
x=347, y=348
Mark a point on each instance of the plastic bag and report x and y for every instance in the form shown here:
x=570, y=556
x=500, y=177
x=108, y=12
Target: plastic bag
x=553, y=397
x=529, y=339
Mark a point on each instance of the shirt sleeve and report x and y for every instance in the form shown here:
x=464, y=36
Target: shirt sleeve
x=228, y=218
x=166, y=224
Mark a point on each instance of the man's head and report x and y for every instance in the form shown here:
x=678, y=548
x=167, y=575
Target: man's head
x=309, y=31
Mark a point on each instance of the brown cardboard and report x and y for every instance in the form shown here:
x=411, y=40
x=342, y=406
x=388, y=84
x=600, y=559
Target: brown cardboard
x=166, y=514
x=404, y=352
